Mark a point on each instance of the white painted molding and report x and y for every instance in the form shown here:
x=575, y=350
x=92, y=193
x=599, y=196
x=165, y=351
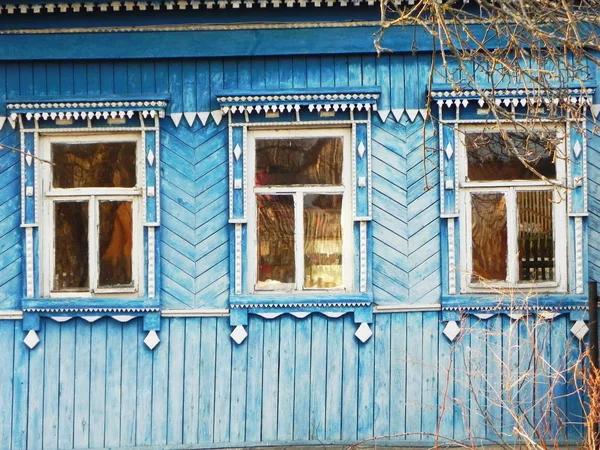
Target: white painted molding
x=11, y=315
x=208, y=312
x=406, y=308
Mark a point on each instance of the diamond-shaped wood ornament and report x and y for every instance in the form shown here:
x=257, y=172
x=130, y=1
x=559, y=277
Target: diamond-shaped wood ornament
x=364, y=332
x=449, y=150
x=451, y=330
x=579, y=329
x=239, y=334
x=32, y=339
x=237, y=152
x=577, y=149
x=361, y=149
x=150, y=157
x=152, y=339
x=28, y=158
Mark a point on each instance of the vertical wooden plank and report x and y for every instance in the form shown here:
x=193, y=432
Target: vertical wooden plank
x=176, y=86
x=66, y=78
x=526, y=373
x=381, y=407
x=97, y=382
x=258, y=73
x=270, y=380
x=430, y=364
x=66, y=386
x=461, y=403
x=175, y=383
x=7, y=337
x=52, y=78
x=239, y=373
x=20, y=390
x=350, y=381
x=160, y=380
x=397, y=82
x=203, y=86
x=222, y=381
x=543, y=399
x=477, y=357
x=35, y=406
x=494, y=377
x=148, y=77
x=129, y=380
x=368, y=71
x=411, y=81
x=272, y=73
x=207, y=379
x=51, y=379
x=216, y=81
x=318, y=377
x=414, y=373
x=299, y=68
x=120, y=77
x=255, y=382
x=558, y=360
x=287, y=354
x=81, y=408
x=510, y=373
x=107, y=78
x=366, y=373
x=333, y=393
x=80, y=79
x=191, y=381
x=26, y=78
x=574, y=425
x=383, y=79
x=244, y=70
x=286, y=73
x=340, y=71
x=447, y=361
x=354, y=71
x=313, y=71
x=189, y=85
x=327, y=71
x=93, y=78
x=161, y=76
x=143, y=409
x=39, y=79
x=134, y=77
x=114, y=347
x=302, y=388
x=230, y=74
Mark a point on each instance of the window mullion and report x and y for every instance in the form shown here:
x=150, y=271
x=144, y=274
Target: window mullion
x=299, y=238
x=511, y=236
x=93, y=236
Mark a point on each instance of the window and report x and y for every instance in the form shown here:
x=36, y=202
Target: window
x=299, y=201
x=513, y=216
x=91, y=230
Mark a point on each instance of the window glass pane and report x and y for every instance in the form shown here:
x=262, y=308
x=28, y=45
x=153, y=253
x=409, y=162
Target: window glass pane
x=275, y=238
x=307, y=161
x=488, y=228
x=491, y=158
x=115, y=243
x=323, y=241
x=95, y=164
x=536, y=240
x=71, y=248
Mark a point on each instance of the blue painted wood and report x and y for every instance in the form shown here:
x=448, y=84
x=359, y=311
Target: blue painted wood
x=318, y=377
x=114, y=386
x=366, y=363
x=302, y=387
x=66, y=384
x=207, y=378
x=36, y=392
x=82, y=375
x=285, y=401
x=7, y=335
x=175, y=392
x=191, y=380
x=270, y=380
x=20, y=390
x=223, y=385
x=97, y=380
x=333, y=413
x=160, y=383
x=254, y=383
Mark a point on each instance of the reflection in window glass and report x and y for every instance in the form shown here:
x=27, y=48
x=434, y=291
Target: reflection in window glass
x=307, y=161
x=97, y=164
x=275, y=236
x=491, y=158
x=71, y=246
x=115, y=243
x=535, y=239
x=322, y=241
x=488, y=226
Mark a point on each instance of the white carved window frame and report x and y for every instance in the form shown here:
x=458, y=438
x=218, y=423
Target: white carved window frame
x=509, y=189
x=297, y=191
x=49, y=196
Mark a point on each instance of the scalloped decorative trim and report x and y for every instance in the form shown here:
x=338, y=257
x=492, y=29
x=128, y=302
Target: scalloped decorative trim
x=301, y=305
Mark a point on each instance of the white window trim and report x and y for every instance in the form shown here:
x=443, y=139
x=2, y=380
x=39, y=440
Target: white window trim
x=509, y=188
x=345, y=189
x=49, y=195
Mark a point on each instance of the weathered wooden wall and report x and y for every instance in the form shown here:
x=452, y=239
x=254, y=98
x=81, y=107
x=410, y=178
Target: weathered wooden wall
x=97, y=385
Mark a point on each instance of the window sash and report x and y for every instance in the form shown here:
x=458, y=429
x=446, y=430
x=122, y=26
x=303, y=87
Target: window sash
x=298, y=192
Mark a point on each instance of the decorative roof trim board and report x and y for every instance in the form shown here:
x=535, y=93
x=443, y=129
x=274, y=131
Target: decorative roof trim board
x=87, y=109
x=512, y=96
x=300, y=305
x=90, y=310
x=142, y=5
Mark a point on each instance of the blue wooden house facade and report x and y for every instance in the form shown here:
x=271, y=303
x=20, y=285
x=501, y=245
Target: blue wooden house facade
x=232, y=223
